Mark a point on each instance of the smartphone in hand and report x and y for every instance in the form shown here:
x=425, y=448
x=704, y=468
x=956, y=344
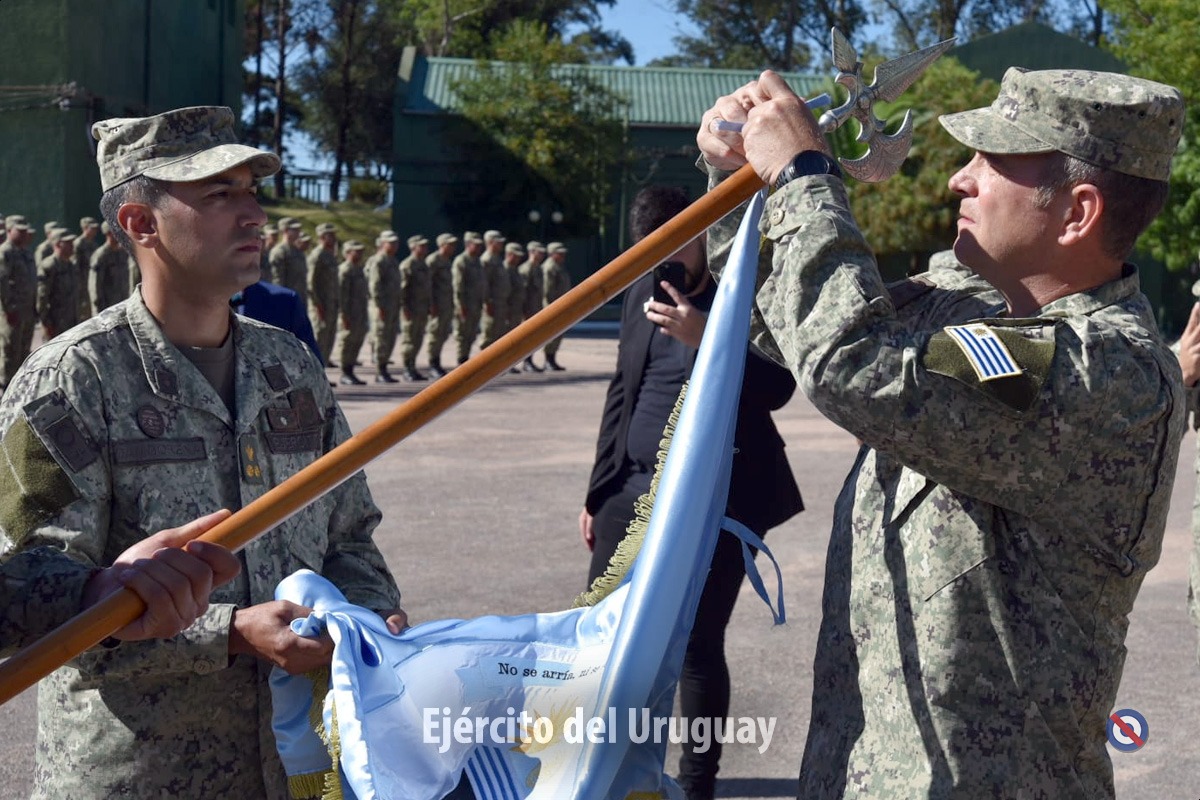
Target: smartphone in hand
x=673, y=272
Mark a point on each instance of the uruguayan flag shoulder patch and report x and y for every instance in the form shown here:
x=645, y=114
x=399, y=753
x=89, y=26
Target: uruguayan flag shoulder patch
x=985, y=351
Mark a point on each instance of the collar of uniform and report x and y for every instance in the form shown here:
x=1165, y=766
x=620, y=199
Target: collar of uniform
x=252, y=389
x=1096, y=298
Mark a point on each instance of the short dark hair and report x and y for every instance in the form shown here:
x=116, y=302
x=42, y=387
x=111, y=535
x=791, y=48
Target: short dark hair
x=138, y=190
x=1130, y=203
x=653, y=206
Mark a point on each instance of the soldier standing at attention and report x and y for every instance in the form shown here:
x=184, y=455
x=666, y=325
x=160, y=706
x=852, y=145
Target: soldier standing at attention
x=109, y=275
x=18, y=296
x=46, y=247
x=468, y=294
x=85, y=246
x=514, y=254
x=288, y=267
x=977, y=587
x=531, y=274
x=495, y=287
x=353, y=309
x=270, y=235
x=168, y=407
x=323, y=290
x=556, y=282
x=58, y=286
x=441, y=299
x=415, y=291
x=383, y=286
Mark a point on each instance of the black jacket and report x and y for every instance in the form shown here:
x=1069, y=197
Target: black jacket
x=762, y=491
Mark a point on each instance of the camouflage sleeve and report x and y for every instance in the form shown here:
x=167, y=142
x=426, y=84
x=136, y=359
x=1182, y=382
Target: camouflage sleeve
x=458, y=283
x=55, y=483
x=900, y=387
x=45, y=289
x=39, y=590
x=7, y=297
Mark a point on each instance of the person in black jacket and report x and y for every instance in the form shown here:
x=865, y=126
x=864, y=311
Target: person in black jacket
x=657, y=351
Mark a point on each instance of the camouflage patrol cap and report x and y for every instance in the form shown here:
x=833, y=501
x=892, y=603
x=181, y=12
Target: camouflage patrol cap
x=556, y=247
x=87, y=222
x=326, y=227
x=446, y=238
x=61, y=235
x=491, y=236
x=269, y=230
x=105, y=228
x=289, y=223
x=187, y=144
x=353, y=244
x=514, y=247
x=1117, y=122
x=535, y=247
x=387, y=236
x=472, y=236
x=416, y=240
x=16, y=222
x=305, y=238
x=49, y=226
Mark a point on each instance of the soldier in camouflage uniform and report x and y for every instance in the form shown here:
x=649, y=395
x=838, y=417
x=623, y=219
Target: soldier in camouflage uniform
x=323, y=290
x=556, y=282
x=165, y=408
x=18, y=296
x=270, y=237
x=441, y=299
x=495, y=288
x=109, y=275
x=58, y=286
x=383, y=286
x=531, y=276
x=85, y=247
x=468, y=294
x=46, y=247
x=514, y=255
x=289, y=268
x=353, y=300
x=415, y=298
x=978, y=585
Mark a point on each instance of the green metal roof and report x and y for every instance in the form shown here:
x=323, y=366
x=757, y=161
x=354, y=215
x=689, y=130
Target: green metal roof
x=659, y=96
x=1034, y=46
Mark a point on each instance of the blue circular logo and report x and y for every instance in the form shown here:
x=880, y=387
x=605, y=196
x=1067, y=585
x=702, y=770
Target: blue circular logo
x=1127, y=730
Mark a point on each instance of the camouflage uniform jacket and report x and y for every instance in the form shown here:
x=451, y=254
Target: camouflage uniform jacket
x=990, y=540
x=556, y=281
x=383, y=285
x=516, y=295
x=289, y=268
x=323, y=284
x=109, y=278
x=57, y=294
x=468, y=283
x=352, y=296
x=104, y=462
x=495, y=283
x=532, y=273
x=416, y=288
x=18, y=282
x=441, y=284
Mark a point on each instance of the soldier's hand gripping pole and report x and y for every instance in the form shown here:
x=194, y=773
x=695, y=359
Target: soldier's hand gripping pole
x=119, y=609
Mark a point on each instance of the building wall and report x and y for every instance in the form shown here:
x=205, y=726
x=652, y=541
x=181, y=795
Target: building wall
x=126, y=58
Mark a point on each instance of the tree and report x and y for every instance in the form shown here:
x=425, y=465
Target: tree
x=778, y=34
x=566, y=129
x=918, y=23
x=1157, y=38
x=914, y=213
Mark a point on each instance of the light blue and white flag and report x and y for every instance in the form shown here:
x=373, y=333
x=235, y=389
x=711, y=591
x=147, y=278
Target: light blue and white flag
x=540, y=706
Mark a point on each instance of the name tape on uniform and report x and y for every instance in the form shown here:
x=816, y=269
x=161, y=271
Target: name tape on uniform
x=984, y=350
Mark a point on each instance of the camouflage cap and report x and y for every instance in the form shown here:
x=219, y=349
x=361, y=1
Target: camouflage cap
x=1117, y=122
x=556, y=247
x=514, y=247
x=187, y=144
x=472, y=236
x=387, y=236
x=417, y=240
x=61, y=235
x=49, y=226
x=493, y=235
x=446, y=238
x=289, y=223
x=326, y=227
x=304, y=238
x=353, y=244
x=535, y=247
x=16, y=222
x=87, y=222
x=270, y=230
x=105, y=228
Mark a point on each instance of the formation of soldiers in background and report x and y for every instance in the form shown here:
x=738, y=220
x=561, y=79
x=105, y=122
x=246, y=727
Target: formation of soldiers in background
x=490, y=288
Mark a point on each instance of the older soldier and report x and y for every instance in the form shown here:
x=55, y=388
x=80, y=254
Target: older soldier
x=495, y=287
x=46, y=247
x=58, y=286
x=441, y=299
x=165, y=408
x=18, y=296
x=109, y=275
x=978, y=587
x=353, y=310
x=270, y=236
x=531, y=274
x=415, y=292
x=383, y=286
x=288, y=266
x=85, y=247
x=323, y=289
x=468, y=294
x=556, y=282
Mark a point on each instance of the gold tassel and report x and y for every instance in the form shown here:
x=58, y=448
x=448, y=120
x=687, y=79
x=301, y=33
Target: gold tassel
x=629, y=547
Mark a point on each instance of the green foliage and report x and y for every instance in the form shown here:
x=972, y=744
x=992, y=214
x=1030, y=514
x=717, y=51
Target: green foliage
x=373, y=193
x=1157, y=38
x=565, y=128
x=914, y=213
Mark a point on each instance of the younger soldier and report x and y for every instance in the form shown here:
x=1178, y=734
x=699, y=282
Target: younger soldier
x=531, y=274
x=323, y=290
x=58, y=286
x=270, y=235
x=495, y=288
x=415, y=291
x=85, y=247
x=441, y=299
x=514, y=255
x=18, y=296
x=383, y=285
x=353, y=310
x=46, y=247
x=468, y=294
x=556, y=282
x=288, y=267
x=109, y=275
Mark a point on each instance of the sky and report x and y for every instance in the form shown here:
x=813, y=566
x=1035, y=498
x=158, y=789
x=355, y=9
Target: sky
x=649, y=25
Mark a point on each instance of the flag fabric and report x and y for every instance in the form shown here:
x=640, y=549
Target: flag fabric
x=540, y=706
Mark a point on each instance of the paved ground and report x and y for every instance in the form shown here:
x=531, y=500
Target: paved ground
x=480, y=513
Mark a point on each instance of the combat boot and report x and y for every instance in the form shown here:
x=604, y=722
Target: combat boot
x=553, y=365
x=382, y=376
x=528, y=366
x=436, y=368
x=350, y=379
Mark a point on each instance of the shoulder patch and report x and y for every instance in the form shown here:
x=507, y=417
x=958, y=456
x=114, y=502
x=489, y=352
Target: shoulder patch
x=33, y=487
x=1004, y=361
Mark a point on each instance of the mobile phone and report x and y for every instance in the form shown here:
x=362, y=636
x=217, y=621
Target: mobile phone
x=673, y=272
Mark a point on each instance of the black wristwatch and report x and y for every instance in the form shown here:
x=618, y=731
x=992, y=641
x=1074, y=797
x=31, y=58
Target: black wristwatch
x=807, y=162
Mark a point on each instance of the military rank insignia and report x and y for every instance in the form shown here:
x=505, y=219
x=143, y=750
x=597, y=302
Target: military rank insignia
x=248, y=448
x=984, y=350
